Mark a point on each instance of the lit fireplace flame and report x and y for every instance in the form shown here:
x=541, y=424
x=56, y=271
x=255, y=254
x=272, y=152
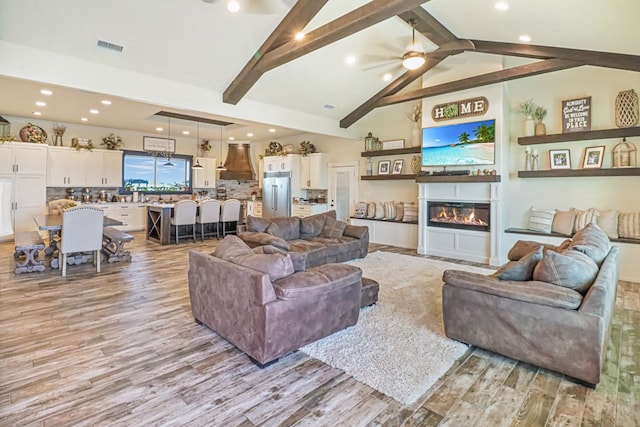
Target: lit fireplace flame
x=452, y=215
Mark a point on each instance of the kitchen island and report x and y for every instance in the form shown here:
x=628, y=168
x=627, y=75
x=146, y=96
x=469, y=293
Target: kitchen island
x=159, y=222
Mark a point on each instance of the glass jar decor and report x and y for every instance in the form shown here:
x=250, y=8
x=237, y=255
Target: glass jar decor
x=368, y=142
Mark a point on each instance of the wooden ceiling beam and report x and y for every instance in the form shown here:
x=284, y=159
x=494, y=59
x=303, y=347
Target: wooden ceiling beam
x=393, y=88
x=588, y=57
x=298, y=17
x=528, y=70
x=429, y=26
x=357, y=20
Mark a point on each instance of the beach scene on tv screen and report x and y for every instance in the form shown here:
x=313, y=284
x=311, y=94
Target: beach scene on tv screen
x=462, y=144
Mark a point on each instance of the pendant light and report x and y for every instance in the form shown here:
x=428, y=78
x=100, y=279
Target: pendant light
x=197, y=165
x=220, y=165
x=169, y=164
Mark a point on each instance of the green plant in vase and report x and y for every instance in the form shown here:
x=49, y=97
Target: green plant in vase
x=528, y=108
x=540, y=113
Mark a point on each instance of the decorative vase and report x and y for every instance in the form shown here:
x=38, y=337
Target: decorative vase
x=540, y=129
x=529, y=127
x=416, y=164
x=627, y=109
x=416, y=140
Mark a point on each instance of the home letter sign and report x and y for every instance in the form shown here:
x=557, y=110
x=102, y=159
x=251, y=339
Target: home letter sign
x=458, y=109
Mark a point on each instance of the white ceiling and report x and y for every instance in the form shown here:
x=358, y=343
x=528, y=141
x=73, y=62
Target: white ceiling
x=180, y=55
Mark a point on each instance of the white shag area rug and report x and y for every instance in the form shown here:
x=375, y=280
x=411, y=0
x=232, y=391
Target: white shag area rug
x=398, y=346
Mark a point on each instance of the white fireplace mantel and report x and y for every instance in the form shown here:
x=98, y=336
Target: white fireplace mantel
x=469, y=245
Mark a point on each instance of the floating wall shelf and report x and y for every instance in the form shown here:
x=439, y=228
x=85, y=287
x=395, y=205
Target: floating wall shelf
x=572, y=173
x=394, y=152
x=580, y=136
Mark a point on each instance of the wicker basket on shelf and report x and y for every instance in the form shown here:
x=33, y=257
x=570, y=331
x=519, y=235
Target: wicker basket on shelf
x=627, y=109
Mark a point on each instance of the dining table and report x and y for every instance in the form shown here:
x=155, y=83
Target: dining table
x=53, y=224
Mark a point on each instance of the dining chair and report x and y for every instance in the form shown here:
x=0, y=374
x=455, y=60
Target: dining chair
x=184, y=214
x=230, y=214
x=81, y=232
x=55, y=207
x=209, y=213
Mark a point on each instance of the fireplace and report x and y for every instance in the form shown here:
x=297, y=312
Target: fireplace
x=460, y=215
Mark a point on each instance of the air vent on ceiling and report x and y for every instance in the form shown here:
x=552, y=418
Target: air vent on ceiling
x=328, y=106
x=111, y=46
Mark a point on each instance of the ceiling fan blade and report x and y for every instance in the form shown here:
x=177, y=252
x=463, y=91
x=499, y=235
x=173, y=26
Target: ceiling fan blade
x=379, y=65
x=392, y=49
x=373, y=59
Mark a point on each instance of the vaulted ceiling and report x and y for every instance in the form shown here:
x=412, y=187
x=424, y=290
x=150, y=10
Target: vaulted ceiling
x=195, y=57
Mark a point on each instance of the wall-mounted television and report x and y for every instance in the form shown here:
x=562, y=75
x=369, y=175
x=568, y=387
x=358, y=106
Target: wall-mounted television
x=462, y=144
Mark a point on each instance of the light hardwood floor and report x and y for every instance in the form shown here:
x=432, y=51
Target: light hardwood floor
x=121, y=348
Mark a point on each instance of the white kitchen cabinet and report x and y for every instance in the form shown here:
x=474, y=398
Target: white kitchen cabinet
x=66, y=167
x=286, y=163
x=303, y=211
x=24, y=166
x=132, y=215
x=104, y=168
x=313, y=171
x=205, y=177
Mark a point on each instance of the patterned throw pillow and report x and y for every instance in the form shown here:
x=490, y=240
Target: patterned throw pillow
x=541, y=220
x=585, y=217
x=389, y=211
x=629, y=225
x=410, y=212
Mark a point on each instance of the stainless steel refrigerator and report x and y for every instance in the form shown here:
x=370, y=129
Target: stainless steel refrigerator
x=276, y=194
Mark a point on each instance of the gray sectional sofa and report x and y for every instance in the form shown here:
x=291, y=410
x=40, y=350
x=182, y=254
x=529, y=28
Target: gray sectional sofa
x=311, y=241
x=551, y=306
x=263, y=306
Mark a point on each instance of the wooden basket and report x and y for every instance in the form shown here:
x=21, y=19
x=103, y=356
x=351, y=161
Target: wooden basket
x=627, y=109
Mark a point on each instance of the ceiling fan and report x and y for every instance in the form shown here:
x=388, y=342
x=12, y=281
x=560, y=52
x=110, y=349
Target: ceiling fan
x=257, y=7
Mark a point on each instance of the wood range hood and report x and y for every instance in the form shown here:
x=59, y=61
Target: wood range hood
x=238, y=163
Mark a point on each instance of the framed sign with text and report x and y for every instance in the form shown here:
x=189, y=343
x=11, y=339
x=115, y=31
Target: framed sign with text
x=164, y=145
x=576, y=115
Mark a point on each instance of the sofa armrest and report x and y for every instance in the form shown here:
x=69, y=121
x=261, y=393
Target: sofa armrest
x=356, y=231
x=255, y=238
x=534, y=292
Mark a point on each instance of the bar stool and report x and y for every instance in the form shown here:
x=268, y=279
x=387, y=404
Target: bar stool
x=184, y=214
x=230, y=214
x=209, y=214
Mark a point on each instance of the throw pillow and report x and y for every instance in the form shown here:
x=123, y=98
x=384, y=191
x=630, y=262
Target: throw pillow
x=312, y=226
x=584, y=217
x=234, y=250
x=608, y=222
x=333, y=228
x=379, y=210
x=399, y=211
x=522, y=269
x=257, y=224
x=593, y=242
x=570, y=269
x=629, y=225
x=371, y=210
x=286, y=227
x=524, y=247
x=389, y=211
x=541, y=220
x=410, y=212
x=563, y=222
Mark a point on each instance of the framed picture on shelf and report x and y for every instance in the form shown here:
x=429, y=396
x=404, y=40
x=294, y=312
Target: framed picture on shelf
x=397, y=167
x=383, y=167
x=593, y=157
x=390, y=145
x=560, y=159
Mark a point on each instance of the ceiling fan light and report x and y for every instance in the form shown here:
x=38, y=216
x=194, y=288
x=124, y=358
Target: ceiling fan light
x=233, y=6
x=412, y=60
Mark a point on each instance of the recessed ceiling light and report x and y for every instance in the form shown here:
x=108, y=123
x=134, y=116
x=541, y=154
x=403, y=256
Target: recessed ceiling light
x=41, y=103
x=249, y=134
x=387, y=77
x=185, y=132
x=84, y=119
x=94, y=111
x=105, y=102
x=46, y=92
x=525, y=38
x=299, y=35
x=233, y=6
x=272, y=130
x=501, y=5
x=159, y=129
x=37, y=113
x=351, y=60
x=231, y=138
